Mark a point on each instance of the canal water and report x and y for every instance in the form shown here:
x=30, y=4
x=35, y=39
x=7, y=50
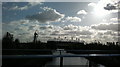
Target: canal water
x=71, y=61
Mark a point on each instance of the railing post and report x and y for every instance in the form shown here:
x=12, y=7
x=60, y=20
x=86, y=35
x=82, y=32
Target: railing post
x=61, y=59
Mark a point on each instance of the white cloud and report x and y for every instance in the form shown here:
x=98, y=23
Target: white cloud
x=19, y=8
x=29, y=5
x=115, y=19
x=48, y=15
x=83, y=12
x=21, y=29
x=77, y=30
x=24, y=30
x=23, y=0
x=70, y=27
x=89, y=34
x=34, y=3
x=72, y=19
x=92, y=4
x=46, y=8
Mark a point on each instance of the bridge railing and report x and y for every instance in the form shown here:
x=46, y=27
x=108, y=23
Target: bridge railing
x=35, y=53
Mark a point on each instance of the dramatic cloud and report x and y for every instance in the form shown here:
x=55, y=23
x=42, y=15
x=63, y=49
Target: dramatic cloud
x=48, y=15
x=24, y=29
x=107, y=26
x=83, y=12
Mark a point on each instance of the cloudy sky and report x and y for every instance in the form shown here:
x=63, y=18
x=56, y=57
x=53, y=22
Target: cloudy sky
x=88, y=21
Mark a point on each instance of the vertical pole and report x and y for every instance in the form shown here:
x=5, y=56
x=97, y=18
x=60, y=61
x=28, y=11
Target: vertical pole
x=90, y=64
x=61, y=60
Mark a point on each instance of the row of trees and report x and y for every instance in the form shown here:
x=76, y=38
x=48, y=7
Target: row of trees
x=83, y=46
x=9, y=42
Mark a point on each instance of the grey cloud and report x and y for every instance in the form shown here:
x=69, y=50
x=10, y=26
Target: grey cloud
x=85, y=36
x=110, y=7
x=58, y=33
x=50, y=15
x=114, y=6
x=112, y=33
x=43, y=27
x=77, y=33
x=86, y=32
x=46, y=27
x=107, y=26
x=55, y=33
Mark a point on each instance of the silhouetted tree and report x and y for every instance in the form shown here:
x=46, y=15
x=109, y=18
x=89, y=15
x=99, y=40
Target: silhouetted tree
x=17, y=41
x=7, y=40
